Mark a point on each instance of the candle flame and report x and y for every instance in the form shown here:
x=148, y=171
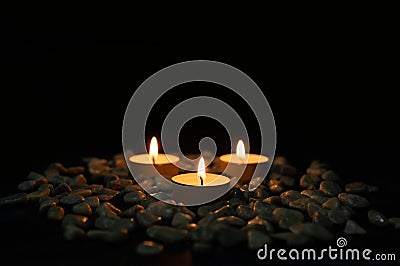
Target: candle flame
x=153, y=149
x=201, y=171
x=240, y=150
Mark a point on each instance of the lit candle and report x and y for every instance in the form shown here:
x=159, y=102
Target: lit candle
x=154, y=163
x=241, y=165
x=201, y=178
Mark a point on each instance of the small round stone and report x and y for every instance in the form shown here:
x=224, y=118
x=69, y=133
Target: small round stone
x=337, y=216
x=145, y=219
x=14, y=200
x=93, y=201
x=181, y=219
x=74, y=219
x=72, y=199
x=332, y=204
x=132, y=211
x=356, y=187
x=149, y=248
x=353, y=200
x=352, y=228
x=82, y=208
x=257, y=239
x=162, y=209
x=55, y=213
x=330, y=176
x=245, y=212
x=232, y=220
x=330, y=188
x=167, y=235
x=47, y=204
x=115, y=236
x=377, y=218
x=27, y=185
x=107, y=209
x=37, y=195
x=72, y=232
x=134, y=197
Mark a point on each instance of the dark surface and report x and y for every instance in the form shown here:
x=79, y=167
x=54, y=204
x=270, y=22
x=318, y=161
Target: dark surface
x=65, y=99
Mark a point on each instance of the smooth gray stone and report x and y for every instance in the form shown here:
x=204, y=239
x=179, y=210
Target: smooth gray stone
x=292, y=239
x=167, y=235
x=377, y=218
x=55, y=213
x=61, y=188
x=77, y=180
x=108, y=236
x=204, y=210
x=264, y=210
x=307, y=181
x=353, y=200
x=321, y=219
x=181, y=219
x=149, y=248
x=312, y=230
x=356, y=187
x=27, y=186
x=72, y=199
x=82, y=192
x=259, y=224
x=228, y=236
x=273, y=200
x=145, y=219
x=337, y=216
x=107, y=209
x=113, y=223
x=231, y=220
x=312, y=192
x=287, y=217
x=44, y=187
x=162, y=209
x=14, y=200
x=93, y=201
x=330, y=188
x=234, y=202
x=245, y=212
x=34, y=176
x=186, y=210
x=257, y=239
x=72, y=232
x=289, y=196
x=119, y=184
x=132, y=211
x=352, y=228
x=37, y=195
x=75, y=170
x=347, y=211
x=82, y=208
x=330, y=176
x=74, y=219
x=134, y=197
x=332, y=204
x=312, y=208
x=301, y=204
x=105, y=197
x=95, y=188
x=45, y=205
x=208, y=220
x=225, y=211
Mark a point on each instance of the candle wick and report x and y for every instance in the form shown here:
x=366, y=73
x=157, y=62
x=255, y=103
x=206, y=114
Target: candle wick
x=201, y=180
x=154, y=160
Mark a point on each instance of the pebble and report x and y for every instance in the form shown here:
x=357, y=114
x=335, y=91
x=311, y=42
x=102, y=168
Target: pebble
x=93, y=201
x=72, y=232
x=45, y=205
x=108, y=236
x=234, y=202
x=43, y=187
x=332, y=204
x=353, y=200
x=211, y=218
x=274, y=200
x=15, y=200
x=34, y=176
x=74, y=219
x=132, y=211
x=181, y=219
x=245, y=212
x=337, y=216
x=145, y=219
x=72, y=199
x=229, y=236
x=259, y=224
x=307, y=181
x=301, y=204
x=292, y=239
x=107, y=209
x=61, y=188
x=75, y=170
x=264, y=210
x=55, y=213
x=287, y=217
x=204, y=210
x=105, y=197
x=312, y=208
x=95, y=188
x=377, y=218
x=322, y=219
x=313, y=230
x=119, y=184
x=109, y=178
x=82, y=208
x=315, y=171
x=276, y=189
x=257, y=239
x=115, y=223
x=330, y=176
x=225, y=211
x=82, y=191
x=231, y=220
x=134, y=197
x=356, y=187
x=330, y=188
x=290, y=195
x=162, y=209
x=395, y=221
x=167, y=235
x=347, y=211
x=77, y=180
x=27, y=186
x=149, y=248
x=186, y=210
x=316, y=195
x=259, y=193
x=352, y=228
x=37, y=195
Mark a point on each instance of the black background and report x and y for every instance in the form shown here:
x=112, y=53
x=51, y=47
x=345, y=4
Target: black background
x=64, y=99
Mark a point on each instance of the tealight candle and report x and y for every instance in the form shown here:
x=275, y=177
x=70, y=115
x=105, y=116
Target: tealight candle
x=241, y=165
x=202, y=179
x=154, y=163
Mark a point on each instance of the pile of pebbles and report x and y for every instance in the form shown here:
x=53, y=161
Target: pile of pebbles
x=102, y=202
